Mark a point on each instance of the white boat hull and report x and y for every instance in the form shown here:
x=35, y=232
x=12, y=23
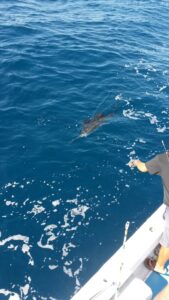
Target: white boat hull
x=103, y=285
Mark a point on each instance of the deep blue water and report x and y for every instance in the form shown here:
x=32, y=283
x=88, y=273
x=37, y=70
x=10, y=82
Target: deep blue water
x=64, y=205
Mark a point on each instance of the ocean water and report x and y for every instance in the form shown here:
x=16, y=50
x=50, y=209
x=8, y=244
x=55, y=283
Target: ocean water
x=64, y=204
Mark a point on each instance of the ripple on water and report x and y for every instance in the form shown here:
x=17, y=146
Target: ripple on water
x=61, y=202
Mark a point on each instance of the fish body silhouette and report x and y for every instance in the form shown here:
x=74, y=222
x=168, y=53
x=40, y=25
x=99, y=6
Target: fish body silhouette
x=92, y=124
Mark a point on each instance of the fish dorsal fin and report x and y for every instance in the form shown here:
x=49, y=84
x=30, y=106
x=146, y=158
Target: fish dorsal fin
x=98, y=116
x=87, y=121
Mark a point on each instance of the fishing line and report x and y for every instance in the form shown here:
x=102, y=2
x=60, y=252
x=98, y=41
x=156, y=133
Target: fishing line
x=101, y=104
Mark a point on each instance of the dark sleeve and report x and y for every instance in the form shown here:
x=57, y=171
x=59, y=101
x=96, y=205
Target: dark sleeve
x=153, y=165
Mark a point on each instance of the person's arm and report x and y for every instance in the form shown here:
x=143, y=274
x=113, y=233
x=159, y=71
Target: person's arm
x=141, y=166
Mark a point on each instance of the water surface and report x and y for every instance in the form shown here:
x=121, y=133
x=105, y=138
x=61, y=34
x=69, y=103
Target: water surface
x=64, y=205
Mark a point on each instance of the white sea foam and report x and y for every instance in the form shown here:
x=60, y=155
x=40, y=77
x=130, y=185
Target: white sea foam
x=75, y=201
x=11, y=184
x=162, y=129
x=48, y=232
x=56, y=202
x=118, y=97
x=66, y=219
x=66, y=247
x=37, y=209
x=67, y=271
x=71, y=215
x=80, y=210
x=53, y=267
x=131, y=114
x=77, y=287
x=152, y=118
x=17, y=237
x=133, y=152
x=11, y=294
x=78, y=270
x=74, y=228
x=10, y=203
x=162, y=88
x=24, y=290
x=49, y=228
x=25, y=247
x=26, y=200
x=142, y=141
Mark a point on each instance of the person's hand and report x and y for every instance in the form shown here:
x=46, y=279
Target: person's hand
x=132, y=163
x=141, y=166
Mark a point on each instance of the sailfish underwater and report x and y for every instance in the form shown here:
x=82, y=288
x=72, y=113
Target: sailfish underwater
x=92, y=124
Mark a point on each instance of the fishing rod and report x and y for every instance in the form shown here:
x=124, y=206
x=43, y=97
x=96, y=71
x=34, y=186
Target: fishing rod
x=165, y=149
x=118, y=283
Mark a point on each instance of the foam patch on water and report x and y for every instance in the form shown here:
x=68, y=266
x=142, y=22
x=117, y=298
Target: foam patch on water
x=140, y=115
x=48, y=232
x=24, y=290
x=142, y=69
x=152, y=118
x=11, y=184
x=79, y=211
x=72, y=272
x=25, y=247
x=162, y=88
x=56, y=202
x=131, y=114
x=119, y=97
x=70, y=214
x=68, y=268
x=75, y=201
x=11, y=203
x=66, y=248
x=141, y=140
x=37, y=209
x=53, y=267
x=162, y=129
x=17, y=237
x=12, y=295
x=70, y=217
